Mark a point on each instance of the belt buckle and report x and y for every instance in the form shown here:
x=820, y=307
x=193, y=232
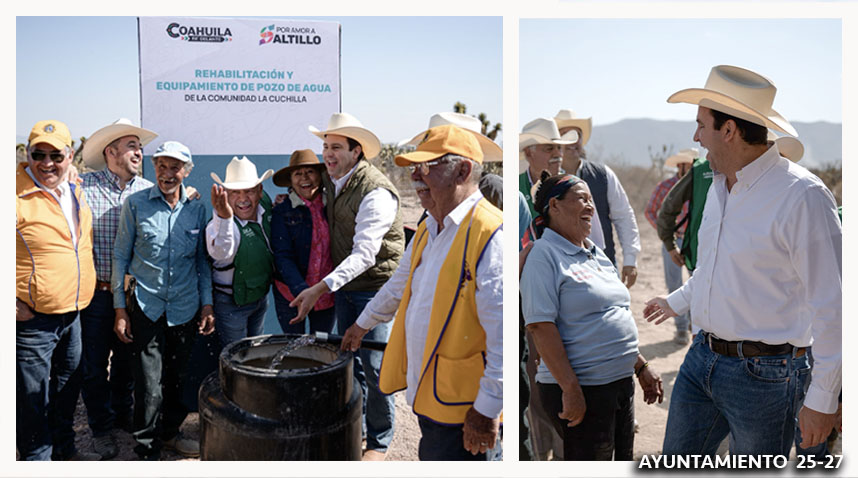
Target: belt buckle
x=709, y=339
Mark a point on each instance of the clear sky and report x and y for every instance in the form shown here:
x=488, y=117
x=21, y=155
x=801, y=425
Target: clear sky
x=613, y=69
x=396, y=71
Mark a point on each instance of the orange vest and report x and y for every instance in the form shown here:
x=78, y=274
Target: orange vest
x=51, y=275
x=454, y=353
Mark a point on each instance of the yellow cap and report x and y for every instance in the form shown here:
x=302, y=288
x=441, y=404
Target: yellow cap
x=52, y=132
x=441, y=140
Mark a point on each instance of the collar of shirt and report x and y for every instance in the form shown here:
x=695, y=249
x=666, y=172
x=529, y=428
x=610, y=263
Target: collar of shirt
x=454, y=217
x=259, y=212
x=339, y=184
x=62, y=188
x=155, y=193
x=297, y=201
x=565, y=245
x=748, y=176
x=113, y=179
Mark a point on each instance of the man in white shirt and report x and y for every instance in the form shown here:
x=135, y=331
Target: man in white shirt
x=446, y=347
x=767, y=286
x=237, y=239
x=612, y=204
x=367, y=240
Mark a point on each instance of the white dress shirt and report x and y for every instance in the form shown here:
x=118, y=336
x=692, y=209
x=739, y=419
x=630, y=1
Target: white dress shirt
x=63, y=196
x=489, y=298
x=376, y=213
x=222, y=241
x=768, y=267
x=622, y=217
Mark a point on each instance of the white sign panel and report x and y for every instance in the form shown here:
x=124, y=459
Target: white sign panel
x=230, y=86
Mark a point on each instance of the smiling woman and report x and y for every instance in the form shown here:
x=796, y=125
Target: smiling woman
x=577, y=310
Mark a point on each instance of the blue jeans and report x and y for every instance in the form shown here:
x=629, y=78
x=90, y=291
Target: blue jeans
x=379, y=409
x=446, y=443
x=47, y=383
x=818, y=452
x=319, y=320
x=235, y=322
x=106, y=394
x=755, y=400
x=673, y=281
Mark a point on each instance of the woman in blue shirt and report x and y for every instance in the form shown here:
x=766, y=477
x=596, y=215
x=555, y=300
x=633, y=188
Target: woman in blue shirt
x=577, y=310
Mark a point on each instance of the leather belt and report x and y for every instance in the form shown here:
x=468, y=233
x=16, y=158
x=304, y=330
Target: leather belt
x=102, y=286
x=749, y=348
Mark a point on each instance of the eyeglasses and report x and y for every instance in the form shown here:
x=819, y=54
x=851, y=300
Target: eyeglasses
x=56, y=156
x=424, y=167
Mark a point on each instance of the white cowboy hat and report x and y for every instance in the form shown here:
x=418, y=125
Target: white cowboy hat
x=491, y=150
x=93, y=148
x=789, y=147
x=568, y=118
x=344, y=124
x=542, y=131
x=684, y=156
x=241, y=174
x=740, y=93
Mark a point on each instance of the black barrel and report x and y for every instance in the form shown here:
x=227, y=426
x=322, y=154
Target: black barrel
x=251, y=412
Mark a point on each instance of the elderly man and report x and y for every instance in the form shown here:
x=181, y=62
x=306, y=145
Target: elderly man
x=541, y=146
x=237, y=238
x=446, y=346
x=612, y=204
x=160, y=244
x=107, y=378
x=367, y=240
x=54, y=280
x=766, y=286
x=673, y=272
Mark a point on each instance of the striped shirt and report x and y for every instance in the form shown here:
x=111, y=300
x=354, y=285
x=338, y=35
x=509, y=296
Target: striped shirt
x=105, y=198
x=657, y=198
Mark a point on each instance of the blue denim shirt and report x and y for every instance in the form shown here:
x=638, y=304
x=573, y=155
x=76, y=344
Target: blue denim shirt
x=291, y=239
x=164, y=250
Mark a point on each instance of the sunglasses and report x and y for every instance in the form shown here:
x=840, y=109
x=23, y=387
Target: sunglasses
x=424, y=167
x=56, y=156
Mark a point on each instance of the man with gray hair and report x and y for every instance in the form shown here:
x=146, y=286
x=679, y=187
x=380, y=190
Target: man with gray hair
x=541, y=146
x=160, y=243
x=446, y=346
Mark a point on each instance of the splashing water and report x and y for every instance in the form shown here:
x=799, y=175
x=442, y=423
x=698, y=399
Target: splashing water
x=290, y=347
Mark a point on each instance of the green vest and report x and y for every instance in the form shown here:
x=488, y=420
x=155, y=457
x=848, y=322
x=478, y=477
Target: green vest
x=254, y=263
x=701, y=179
x=342, y=211
x=524, y=188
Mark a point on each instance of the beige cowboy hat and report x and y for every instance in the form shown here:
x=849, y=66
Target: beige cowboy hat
x=684, y=156
x=542, y=131
x=344, y=124
x=491, y=150
x=299, y=158
x=241, y=174
x=740, y=93
x=789, y=147
x=93, y=148
x=568, y=118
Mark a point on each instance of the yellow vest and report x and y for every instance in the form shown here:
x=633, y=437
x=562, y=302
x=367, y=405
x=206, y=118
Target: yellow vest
x=51, y=275
x=454, y=353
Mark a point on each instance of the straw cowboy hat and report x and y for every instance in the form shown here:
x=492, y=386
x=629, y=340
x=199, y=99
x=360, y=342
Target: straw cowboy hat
x=740, y=93
x=789, y=147
x=491, y=151
x=684, y=156
x=299, y=158
x=568, y=118
x=344, y=124
x=93, y=148
x=542, y=131
x=241, y=174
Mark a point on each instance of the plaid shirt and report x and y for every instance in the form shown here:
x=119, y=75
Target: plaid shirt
x=105, y=198
x=657, y=198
